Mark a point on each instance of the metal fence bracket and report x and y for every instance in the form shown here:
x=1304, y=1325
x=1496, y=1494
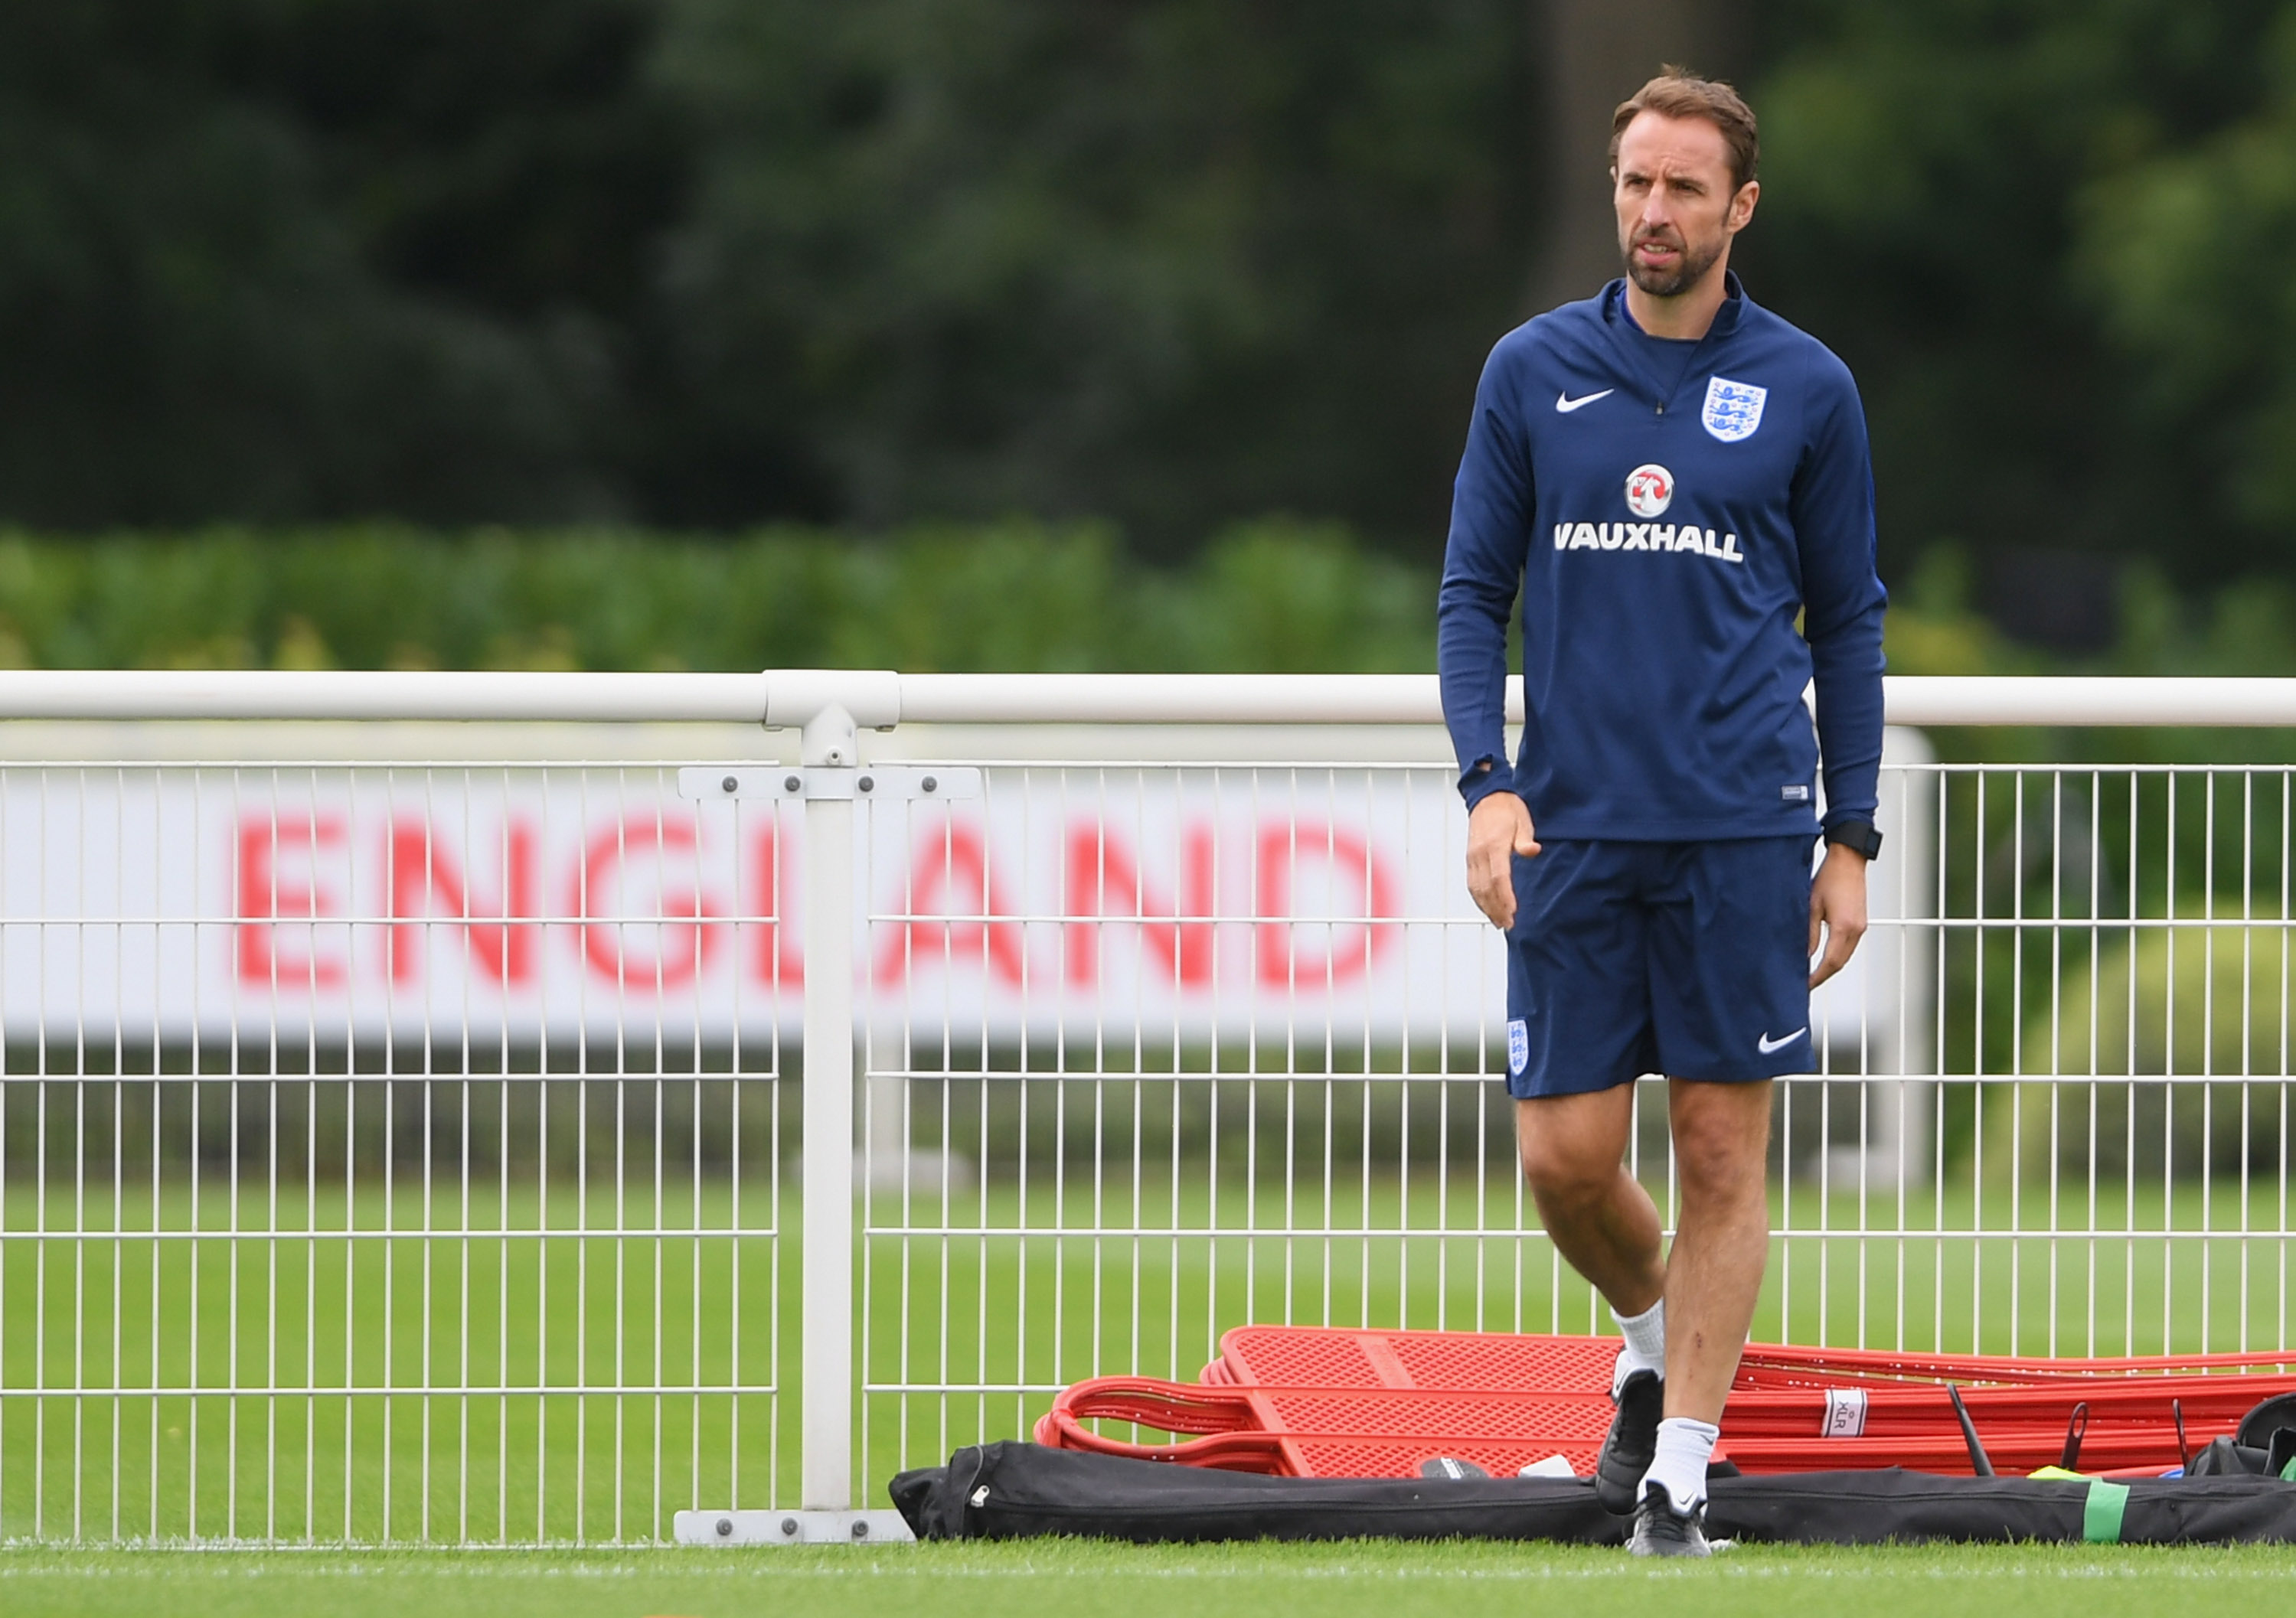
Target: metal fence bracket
x=791, y=1528
x=708, y=783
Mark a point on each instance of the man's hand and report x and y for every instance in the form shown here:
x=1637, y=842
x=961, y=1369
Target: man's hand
x=1837, y=905
x=1498, y=828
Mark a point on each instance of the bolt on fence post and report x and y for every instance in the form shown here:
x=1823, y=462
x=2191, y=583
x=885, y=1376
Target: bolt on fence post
x=825, y=1454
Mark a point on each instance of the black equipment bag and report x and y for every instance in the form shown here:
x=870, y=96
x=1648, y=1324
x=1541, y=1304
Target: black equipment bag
x=2264, y=1445
x=1019, y=1490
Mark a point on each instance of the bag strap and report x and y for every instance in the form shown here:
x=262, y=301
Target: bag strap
x=2102, y=1511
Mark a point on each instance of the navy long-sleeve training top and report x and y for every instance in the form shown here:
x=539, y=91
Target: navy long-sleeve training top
x=1666, y=509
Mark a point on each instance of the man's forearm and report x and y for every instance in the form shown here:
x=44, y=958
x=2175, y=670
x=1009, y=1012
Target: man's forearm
x=1849, y=721
x=1470, y=671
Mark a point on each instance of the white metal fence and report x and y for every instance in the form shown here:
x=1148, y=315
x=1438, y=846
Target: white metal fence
x=400, y=1144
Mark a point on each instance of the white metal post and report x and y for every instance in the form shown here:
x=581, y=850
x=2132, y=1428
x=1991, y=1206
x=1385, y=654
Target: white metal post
x=830, y=707
x=825, y=1463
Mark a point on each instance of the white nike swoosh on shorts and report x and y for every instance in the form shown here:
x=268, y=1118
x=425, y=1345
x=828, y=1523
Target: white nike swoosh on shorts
x=1564, y=403
x=1766, y=1044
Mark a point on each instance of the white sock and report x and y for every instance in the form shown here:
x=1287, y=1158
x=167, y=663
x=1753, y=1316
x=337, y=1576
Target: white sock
x=1645, y=1349
x=1684, y=1448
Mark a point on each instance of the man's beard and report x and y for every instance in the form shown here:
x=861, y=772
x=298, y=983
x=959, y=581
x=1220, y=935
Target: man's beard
x=1686, y=272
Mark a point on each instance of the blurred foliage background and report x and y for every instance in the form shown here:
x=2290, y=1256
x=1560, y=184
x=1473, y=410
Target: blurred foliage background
x=1135, y=334
x=1041, y=333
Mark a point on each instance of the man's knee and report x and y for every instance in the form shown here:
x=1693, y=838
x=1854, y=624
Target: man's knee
x=1572, y=1146
x=1721, y=1147
x=1717, y=1169
x=1566, y=1173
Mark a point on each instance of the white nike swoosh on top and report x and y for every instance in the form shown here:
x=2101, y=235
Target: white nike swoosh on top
x=1565, y=404
x=1766, y=1044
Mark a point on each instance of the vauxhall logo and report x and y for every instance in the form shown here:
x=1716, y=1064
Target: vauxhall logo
x=1650, y=490
x=1647, y=536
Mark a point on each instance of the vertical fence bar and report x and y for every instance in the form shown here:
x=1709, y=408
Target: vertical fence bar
x=826, y=1464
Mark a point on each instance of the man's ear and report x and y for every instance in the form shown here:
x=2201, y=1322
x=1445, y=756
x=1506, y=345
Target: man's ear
x=1741, y=206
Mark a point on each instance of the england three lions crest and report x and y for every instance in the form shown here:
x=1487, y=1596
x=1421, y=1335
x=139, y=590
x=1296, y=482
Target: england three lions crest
x=1734, y=410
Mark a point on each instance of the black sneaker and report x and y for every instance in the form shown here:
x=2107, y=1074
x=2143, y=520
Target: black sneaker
x=1661, y=1531
x=1631, y=1443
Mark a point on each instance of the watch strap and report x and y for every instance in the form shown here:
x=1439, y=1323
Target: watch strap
x=1859, y=835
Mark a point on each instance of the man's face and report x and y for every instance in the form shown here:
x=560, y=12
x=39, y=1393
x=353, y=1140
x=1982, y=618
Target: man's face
x=1677, y=207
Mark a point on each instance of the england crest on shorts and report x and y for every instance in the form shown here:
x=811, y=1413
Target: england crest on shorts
x=1734, y=410
x=1518, y=1047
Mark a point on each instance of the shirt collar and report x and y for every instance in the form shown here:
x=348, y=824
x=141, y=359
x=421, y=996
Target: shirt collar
x=1726, y=318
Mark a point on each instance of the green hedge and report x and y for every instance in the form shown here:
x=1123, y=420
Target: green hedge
x=1272, y=596
x=1016, y=595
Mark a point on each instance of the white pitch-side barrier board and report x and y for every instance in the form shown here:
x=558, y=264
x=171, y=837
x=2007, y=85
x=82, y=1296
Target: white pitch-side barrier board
x=527, y=903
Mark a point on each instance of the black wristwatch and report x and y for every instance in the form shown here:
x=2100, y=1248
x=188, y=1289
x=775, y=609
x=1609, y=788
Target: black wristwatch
x=1858, y=834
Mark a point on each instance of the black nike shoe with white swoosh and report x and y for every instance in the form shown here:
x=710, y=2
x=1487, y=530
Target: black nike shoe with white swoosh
x=1661, y=1531
x=1631, y=1442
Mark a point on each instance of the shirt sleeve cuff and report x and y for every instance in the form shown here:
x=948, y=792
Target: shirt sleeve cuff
x=1483, y=777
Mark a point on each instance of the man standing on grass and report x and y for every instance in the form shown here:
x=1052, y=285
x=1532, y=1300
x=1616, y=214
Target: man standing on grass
x=1674, y=476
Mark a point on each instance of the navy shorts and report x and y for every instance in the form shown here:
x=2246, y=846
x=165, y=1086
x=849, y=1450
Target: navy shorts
x=1684, y=958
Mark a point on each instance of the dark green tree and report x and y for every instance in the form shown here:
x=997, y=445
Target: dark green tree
x=2190, y=253
x=1985, y=206
x=1166, y=260
x=280, y=258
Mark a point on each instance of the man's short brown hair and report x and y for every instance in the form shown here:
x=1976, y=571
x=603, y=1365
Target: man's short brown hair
x=1678, y=92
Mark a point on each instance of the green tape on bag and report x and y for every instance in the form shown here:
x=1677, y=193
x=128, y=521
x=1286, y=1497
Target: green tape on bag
x=2101, y=1514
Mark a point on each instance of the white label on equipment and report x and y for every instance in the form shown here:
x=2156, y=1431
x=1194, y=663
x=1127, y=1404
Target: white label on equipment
x=1845, y=1412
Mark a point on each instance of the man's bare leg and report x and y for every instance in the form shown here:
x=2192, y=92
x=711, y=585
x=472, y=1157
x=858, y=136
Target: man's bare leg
x=1599, y=1217
x=1722, y=1243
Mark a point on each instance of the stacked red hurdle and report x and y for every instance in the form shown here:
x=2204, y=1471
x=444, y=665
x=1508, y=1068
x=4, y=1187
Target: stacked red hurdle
x=1306, y=1401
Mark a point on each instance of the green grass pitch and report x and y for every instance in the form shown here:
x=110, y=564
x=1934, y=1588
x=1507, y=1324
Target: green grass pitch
x=1084, y=1580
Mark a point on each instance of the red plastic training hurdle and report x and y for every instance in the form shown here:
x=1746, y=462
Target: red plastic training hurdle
x=1308, y=1401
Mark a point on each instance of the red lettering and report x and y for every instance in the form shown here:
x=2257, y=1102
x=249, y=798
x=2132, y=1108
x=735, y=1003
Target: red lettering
x=1104, y=882
x=778, y=958
x=419, y=874
x=1355, y=873
x=266, y=898
x=952, y=867
x=685, y=951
